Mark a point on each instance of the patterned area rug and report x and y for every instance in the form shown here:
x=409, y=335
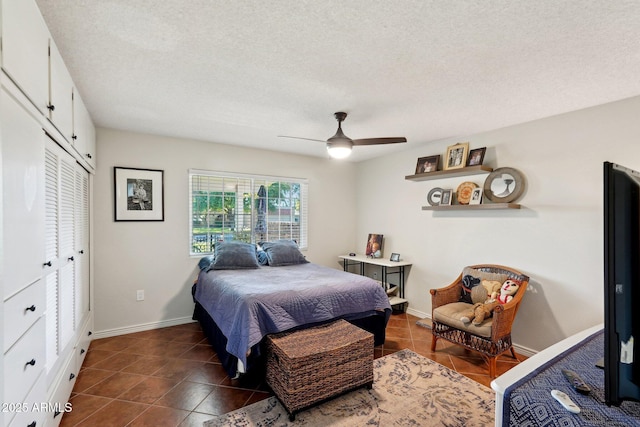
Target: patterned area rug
x=408, y=390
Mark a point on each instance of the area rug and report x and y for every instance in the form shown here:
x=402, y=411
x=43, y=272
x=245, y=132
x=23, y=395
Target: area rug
x=408, y=390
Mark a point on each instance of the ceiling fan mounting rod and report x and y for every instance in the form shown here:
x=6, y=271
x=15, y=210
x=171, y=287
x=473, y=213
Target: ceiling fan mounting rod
x=340, y=116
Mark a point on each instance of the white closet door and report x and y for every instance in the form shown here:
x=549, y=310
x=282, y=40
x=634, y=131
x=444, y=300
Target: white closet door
x=51, y=326
x=82, y=244
x=51, y=250
x=60, y=242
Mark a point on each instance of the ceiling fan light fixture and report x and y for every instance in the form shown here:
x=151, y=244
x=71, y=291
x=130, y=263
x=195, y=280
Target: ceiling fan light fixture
x=338, y=151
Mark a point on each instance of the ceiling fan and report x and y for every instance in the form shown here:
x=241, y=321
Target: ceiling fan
x=339, y=145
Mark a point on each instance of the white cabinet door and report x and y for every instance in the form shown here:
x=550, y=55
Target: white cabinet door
x=23, y=195
x=25, y=44
x=84, y=132
x=61, y=93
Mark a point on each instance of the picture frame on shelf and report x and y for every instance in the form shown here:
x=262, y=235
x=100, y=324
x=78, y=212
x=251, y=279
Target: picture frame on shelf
x=445, y=199
x=476, y=156
x=374, y=246
x=427, y=164
x=456, y=156
x=434, y=196
x=395, y=257
x=138, y=194
x=476, y=196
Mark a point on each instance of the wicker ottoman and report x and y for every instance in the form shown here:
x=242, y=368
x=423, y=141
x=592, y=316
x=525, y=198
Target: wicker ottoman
x=311, y=365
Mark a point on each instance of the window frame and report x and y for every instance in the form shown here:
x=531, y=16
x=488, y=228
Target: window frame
x=253, y=182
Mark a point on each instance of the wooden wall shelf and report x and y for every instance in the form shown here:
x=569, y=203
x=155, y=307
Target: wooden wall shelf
x=487, y=206
x=470, y=170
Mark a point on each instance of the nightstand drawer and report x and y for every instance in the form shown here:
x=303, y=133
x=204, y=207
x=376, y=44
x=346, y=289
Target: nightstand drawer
x=21, y=311
x=24, y=362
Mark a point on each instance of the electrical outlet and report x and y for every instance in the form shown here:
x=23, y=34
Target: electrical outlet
x=375, y=276
x=140, y=295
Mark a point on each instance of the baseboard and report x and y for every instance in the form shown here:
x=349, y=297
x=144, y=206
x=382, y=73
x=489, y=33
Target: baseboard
x=417, y=313
x=143, y=327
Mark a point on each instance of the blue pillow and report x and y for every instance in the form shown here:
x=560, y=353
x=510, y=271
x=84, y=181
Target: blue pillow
x=262, y=256
x=283, y=252
x=234, y=256
x=205, y=262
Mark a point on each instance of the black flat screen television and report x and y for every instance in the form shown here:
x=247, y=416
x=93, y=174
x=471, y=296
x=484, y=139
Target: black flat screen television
x=621, y=283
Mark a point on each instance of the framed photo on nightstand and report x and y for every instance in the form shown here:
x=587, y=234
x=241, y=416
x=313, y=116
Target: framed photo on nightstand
x=395, y=257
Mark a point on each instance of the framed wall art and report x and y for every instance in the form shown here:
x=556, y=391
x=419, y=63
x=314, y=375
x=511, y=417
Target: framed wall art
x=456, y=156
x=138, y=194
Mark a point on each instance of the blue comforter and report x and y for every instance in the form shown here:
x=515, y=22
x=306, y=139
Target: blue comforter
x=249, y=304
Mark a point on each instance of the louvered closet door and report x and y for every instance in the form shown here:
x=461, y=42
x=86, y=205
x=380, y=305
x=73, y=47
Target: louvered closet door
x=60, y=242
x=51, y=249
x=81, y=245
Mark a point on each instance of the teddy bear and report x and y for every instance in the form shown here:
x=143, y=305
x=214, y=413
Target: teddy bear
x=480, y=311
x=492, y=287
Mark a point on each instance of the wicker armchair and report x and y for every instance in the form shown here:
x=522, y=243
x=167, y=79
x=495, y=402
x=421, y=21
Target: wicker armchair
x=493, y=337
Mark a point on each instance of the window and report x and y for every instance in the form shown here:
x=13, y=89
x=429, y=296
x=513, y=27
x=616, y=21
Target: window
x=248, y=208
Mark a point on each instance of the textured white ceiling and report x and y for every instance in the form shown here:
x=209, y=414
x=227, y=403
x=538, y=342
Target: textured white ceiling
x=243, y=72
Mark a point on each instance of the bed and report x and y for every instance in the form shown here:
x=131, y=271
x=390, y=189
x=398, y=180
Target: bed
x=239, y=302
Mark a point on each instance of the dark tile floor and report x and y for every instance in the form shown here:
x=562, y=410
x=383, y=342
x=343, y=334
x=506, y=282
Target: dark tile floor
x=172, y=377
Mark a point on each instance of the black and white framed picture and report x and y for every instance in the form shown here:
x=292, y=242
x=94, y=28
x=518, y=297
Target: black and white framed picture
x=446, y=197
x=395, y=257
x=456, y=156
x=138, y=194
x=476, y=196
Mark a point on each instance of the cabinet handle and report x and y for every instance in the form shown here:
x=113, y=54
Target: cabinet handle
x=90, y=333
x=32, y=308
x=47, y=264
x=82, y=350
x=51, y=107
x=72, y=376
x=74, y=136
x=81, y=251
x=70, y=258
x=56, y=413
x=33, y=424
x=89, y=155
x=31, y=362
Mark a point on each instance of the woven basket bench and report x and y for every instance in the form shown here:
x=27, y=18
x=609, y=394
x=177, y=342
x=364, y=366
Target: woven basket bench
x=309, y=366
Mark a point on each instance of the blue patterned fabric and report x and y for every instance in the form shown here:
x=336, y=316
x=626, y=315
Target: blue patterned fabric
x=528, y=402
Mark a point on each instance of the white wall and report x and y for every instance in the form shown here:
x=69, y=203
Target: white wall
x=154, y=256
x=556, y=238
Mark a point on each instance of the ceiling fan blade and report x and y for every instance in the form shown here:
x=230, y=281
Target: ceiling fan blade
x=299, y=137
x=376, y=141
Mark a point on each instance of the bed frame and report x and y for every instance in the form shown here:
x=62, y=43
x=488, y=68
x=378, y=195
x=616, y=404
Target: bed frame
x=375, y=323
